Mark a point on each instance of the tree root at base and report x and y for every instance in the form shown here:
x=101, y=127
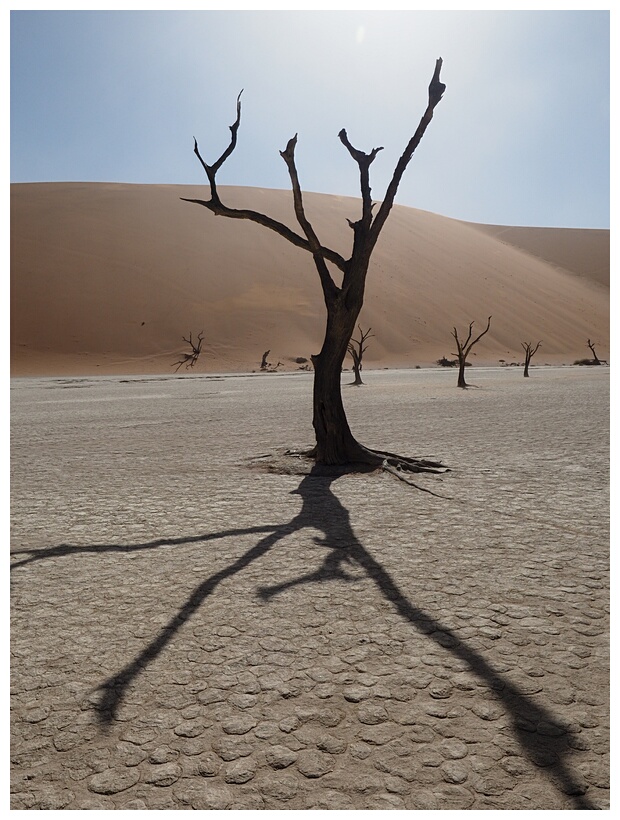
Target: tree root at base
x=392, y=463
x=364, y=460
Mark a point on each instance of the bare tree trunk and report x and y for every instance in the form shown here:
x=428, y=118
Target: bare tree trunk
x=530, y=350
x=335, y=444
x=357, y=371
x=356, y=349
x=461, y=380
x=596, y=358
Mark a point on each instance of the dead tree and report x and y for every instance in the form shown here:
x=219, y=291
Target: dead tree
x=356, y=349
x=463, y=348
x=190, y=359
x=596, y=358
x=529, y=352
x=267, y=367
x=335, y=444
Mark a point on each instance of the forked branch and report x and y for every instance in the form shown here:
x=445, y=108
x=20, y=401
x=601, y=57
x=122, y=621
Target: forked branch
x=366, y=230
x=529, y=348
x=361, y=347
x=190, y=359
x=364, y=162
x=464, y=347
x=215, y=205
x=356, y=349
x=211, y=170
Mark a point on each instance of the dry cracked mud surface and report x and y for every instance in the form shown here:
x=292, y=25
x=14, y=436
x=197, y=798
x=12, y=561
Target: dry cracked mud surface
x=189, y=632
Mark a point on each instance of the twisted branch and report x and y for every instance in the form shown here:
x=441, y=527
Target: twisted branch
x=216, y=206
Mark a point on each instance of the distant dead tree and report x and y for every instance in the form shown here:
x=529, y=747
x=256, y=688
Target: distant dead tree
x=529, y=352
x=344, y=294
x=266, y=366
x=190, y=359
x=464, y=347
x=356, y=349
x=596, y=358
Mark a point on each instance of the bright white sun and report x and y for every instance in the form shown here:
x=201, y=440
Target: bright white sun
x=359, y=34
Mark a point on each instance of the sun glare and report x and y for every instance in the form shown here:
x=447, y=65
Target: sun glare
x=359, y=34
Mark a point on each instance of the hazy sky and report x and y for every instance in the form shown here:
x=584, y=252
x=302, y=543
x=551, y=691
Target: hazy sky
x=521, y=136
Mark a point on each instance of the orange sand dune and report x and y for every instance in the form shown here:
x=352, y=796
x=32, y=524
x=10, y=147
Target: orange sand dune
x=108, y=278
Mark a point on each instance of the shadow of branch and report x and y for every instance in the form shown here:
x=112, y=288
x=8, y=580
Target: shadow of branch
x=321, y=510
x=63, y=550
x=527, y=717
x=113, y=689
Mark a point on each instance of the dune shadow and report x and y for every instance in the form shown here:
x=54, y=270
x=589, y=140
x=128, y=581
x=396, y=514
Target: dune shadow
x=542, y=735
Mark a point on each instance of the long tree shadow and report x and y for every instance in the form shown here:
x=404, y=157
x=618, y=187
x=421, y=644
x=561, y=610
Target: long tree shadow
x=542, y=735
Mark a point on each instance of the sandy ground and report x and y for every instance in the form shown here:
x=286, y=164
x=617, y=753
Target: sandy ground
x=108, y=278
x=190, y=632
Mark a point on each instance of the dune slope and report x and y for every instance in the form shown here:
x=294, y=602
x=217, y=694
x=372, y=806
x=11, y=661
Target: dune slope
x=108, y=278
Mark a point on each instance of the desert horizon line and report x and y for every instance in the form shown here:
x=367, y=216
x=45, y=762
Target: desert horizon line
x=306, y=191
